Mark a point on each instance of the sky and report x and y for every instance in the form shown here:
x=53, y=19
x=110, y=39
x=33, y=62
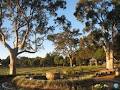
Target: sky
x=48, y=45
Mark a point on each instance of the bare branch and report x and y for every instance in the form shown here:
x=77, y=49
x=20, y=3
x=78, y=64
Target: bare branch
x=26, y=51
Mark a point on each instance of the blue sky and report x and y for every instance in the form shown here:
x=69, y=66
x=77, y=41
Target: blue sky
x=48, y=45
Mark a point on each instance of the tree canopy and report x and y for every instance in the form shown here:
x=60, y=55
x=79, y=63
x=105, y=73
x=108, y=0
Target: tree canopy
x=26, y=22
x=67, y=41
x=101, y=17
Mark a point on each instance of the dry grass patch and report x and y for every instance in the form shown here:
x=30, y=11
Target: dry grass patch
x=60, y=84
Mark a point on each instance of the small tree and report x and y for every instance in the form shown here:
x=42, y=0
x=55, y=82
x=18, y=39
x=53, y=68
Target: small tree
x=99, y=54
x=28, y=25
x=58, y=60
x=49, y=60
x=66, y=42
x=87, y=48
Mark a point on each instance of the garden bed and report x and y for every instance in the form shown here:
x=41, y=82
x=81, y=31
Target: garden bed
x=60, y=84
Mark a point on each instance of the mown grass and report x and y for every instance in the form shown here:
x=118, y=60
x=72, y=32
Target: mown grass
x=43, y=70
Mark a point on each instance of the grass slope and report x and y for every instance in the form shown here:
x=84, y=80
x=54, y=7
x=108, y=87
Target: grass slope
x=43, y=70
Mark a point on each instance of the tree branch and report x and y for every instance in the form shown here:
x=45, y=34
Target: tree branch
x=1, y=33
x=27, y=31
x=26, y=51
x=25, y=36
x=16, y=33
x=4, y=41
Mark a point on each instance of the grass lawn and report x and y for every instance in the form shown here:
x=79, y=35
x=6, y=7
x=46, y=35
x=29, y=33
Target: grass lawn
x=42, y=70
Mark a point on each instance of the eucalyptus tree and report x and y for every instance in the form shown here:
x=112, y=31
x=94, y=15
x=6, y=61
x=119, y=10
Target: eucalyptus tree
x=25, y=24
x=66, y=41
x=102, y=19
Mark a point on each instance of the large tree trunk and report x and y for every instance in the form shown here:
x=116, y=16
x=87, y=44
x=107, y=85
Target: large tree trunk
x=12, y=65
x=109, y=59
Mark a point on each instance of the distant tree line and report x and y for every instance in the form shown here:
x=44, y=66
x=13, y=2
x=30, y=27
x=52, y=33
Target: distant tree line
x=48, y=61
x=81, y=57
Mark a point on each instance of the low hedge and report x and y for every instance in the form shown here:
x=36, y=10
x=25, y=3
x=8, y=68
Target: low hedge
x=60, y=84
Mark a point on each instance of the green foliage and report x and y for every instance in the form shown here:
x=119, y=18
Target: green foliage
x=86, y=51
x=100, y=17
x=49, y=60
x=67, y=41
x=117, y=46
x=89, y=48
x=58, y=60
x=28, y=22
x=99, y=54
x=5, y=62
